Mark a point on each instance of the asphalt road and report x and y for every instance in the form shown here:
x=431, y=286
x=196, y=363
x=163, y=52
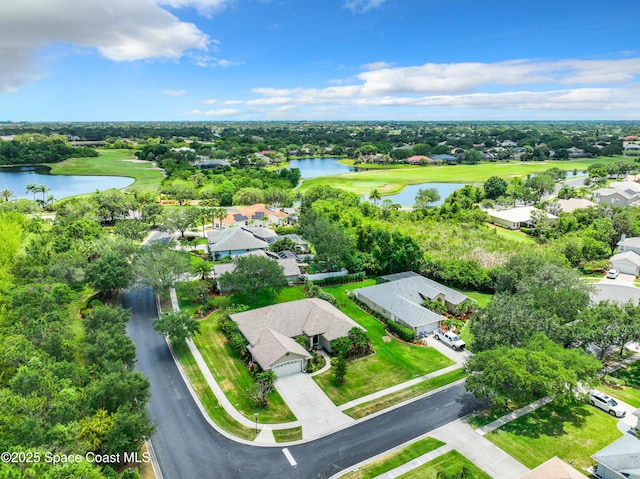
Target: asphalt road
x=188, y=447
x=614, y=292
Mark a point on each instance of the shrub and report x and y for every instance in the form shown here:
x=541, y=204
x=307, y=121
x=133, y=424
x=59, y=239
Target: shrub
x=314, y=291
x=401, y=331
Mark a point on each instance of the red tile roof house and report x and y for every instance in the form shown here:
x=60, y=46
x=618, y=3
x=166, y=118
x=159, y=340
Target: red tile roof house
x=418, y=160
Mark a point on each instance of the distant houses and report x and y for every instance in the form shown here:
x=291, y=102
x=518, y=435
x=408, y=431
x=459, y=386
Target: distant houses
x=515, y=218
x=258, y=214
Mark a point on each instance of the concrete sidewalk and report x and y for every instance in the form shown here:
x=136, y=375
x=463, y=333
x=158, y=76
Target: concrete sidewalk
x=483, y=453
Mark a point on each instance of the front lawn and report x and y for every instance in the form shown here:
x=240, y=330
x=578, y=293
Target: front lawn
x=215, y=411
x=233, y=376
x=573, y=433
x=395, y=459
x=630, y=392
x=288, y=435
x=392, y=363
x=452, y=464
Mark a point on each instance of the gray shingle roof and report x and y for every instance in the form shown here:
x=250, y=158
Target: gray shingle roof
x=622, y=455
x=403, y=293
x=633, y=242
x=233, y=239
x=630, y=256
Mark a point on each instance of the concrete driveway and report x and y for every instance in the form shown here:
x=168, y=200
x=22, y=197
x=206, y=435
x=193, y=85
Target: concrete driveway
x=311, y=406
x=621, y=291
x=621, y=280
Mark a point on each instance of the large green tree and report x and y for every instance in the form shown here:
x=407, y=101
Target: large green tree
x=254, y=273
x=516, y=376
x=177, y=325
x=159, y=266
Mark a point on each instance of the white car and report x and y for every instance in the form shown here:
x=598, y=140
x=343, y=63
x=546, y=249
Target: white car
x=613, y=273
x=606, y=403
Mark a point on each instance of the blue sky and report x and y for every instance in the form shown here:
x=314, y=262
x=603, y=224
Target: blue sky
x=234, y=60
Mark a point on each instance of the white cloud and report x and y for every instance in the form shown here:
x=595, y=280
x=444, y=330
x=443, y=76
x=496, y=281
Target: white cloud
x=213, y=101
x=510, y=85
x=204, y=7
x=222, y=112
x=175, y=92
x=121, y=30
x=209, y=61
x=362, y=6
x=376, y=66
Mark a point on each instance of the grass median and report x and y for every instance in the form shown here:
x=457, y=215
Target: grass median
x=452, y=464
x=394, y=459
x=364, y=409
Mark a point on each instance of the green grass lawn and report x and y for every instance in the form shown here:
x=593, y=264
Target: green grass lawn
x=518, y=236
x=395, y=459
x=630, y=393
x=287, y=435
x=112, y=163
x=266, y=298
x=452, y=464
x=391, y=181
x=207, y=398
x=233, y=376
x=411, y=392
x=573, y=433
x=392, y=363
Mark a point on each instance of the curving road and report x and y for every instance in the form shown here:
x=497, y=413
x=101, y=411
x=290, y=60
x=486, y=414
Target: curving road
x=188, y=447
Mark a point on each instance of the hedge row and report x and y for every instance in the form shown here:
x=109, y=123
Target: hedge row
x=349, y=278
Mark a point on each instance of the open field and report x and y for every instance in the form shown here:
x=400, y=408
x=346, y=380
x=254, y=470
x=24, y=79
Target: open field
x=514, y=235
x=392, y=181
x=392, y=363
x=112, y=163
x=573, y=433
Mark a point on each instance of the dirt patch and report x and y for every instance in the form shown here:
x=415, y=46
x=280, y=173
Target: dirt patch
x=386, y=339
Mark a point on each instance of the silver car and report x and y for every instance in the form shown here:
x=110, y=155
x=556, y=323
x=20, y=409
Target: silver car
x=606, y=403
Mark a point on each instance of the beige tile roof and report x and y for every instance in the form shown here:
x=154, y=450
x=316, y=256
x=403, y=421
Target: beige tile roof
x=308, y=316
x=271, y=346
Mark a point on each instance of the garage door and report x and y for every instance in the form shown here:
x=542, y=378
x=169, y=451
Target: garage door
x=290, y=367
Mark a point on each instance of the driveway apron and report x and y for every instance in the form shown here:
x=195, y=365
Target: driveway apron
x=311, y=406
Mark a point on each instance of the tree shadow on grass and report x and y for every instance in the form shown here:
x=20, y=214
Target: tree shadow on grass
x=550, y=420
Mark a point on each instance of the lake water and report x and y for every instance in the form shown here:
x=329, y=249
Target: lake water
x=407, y=196
x=16, y=179
x=314, y=167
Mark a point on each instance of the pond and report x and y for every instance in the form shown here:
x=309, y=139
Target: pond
x=16, y=179
x=314, y=167
x=407, y=196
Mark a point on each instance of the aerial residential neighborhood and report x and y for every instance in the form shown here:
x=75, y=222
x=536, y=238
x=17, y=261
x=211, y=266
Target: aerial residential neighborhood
x=349, y=239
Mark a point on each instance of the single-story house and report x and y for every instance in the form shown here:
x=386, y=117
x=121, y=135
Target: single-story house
x=261, y=233
x=258, y=214
x=514, y=218
x=619, y=460
x=399, y=298
x=554, y=468
x=232, y=242
x=572, y=204
x=302, y=246
x=289, y=266
x=627, y=262
x=619, y=193
x=447, y=158
x=270, y=330
x=418, y=160
x=629, y=244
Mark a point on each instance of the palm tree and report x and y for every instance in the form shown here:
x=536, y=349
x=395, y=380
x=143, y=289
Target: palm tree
x=31, y=188
x=6, y=194
x=375, y=196
x=41, y=189
x=221, y=213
